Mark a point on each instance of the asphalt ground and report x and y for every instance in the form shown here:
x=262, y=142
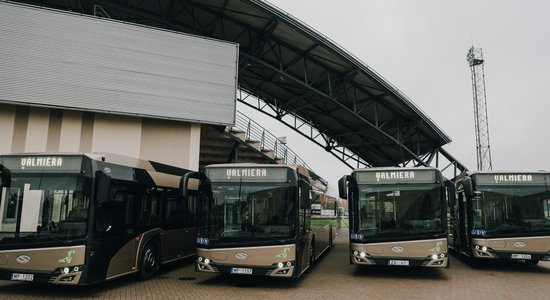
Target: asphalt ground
x=331, y=278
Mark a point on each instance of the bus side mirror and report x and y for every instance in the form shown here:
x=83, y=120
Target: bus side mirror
x=343, y=187
x=103, y=188
x=190, y=181
x=305, y=197
x=468, y=187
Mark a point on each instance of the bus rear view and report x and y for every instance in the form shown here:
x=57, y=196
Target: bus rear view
x=397, y=216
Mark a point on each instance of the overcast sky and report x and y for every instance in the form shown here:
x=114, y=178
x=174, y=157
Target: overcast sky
x=420, y=47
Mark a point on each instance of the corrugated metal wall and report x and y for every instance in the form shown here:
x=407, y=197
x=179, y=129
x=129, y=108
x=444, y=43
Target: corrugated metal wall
x=66, y=60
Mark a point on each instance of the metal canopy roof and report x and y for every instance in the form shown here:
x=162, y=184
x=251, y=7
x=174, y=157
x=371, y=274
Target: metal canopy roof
x=298, y=76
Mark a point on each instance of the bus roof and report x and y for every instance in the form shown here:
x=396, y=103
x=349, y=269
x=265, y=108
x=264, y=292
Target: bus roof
x=501, y=177
x=491, y=172
x=112, y=158
x=398, y=175
x=382, y=169
x=316, y=181
x=161, y=174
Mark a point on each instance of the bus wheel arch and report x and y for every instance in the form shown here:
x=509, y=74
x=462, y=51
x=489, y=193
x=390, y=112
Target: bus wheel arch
x=149, y=262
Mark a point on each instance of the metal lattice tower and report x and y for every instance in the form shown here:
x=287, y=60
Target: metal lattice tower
x=476, y=61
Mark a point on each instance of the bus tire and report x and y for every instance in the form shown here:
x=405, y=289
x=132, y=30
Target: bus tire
x=149, y=262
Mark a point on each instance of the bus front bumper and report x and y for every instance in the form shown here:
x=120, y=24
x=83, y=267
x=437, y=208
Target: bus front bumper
x=279, y=269
x=440, y=260
x=61, y=276
x=487, y=252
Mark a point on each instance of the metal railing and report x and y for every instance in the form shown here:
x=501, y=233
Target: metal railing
x=254, y=132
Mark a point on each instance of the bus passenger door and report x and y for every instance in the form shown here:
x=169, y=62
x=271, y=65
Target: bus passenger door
x=195, y=188
x=451, y=221
x=179, y=232
x=463, y=227
x=305, y=235
x=114, y=245
x=189, y=232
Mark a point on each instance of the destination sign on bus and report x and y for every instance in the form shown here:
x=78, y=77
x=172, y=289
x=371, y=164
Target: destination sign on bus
x=42, y=163
x=247, y=174
x=396, y=176
x=507, y=179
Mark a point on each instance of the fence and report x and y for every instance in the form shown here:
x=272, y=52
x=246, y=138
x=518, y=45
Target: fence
x=254, y=132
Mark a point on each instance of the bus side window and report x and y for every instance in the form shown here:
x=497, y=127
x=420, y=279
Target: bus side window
x=117, y=215
x=175, y=208
x=151, y=208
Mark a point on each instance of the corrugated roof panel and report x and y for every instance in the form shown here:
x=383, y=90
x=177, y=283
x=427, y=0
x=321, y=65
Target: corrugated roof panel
x=61, y=59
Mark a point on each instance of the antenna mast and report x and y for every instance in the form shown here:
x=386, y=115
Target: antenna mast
x=476, y=62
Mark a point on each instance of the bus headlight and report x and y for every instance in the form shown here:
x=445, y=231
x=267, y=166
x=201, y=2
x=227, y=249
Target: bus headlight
x=363, y=254
x=481, y=248
x=69, y=270
x=206, y=261
x=283, y=268
x=483, y=251
x=434, y=256
x=283, y=264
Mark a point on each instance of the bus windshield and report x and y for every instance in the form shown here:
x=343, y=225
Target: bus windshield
x=511, y=209
x=249, y=212
x=400, y=211
x=44, y=206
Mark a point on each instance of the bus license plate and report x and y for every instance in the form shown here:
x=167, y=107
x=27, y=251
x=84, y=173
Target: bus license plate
x=394, y=262
x=22, y=277
x=246, y=271
x=521, y=256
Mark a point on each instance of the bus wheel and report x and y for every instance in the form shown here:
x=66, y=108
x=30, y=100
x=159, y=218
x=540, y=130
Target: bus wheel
x=149, y=261
x=531, y=261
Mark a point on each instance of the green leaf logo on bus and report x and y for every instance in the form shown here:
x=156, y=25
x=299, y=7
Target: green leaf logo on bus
x=437, y=247
x=283, y=254
x=69, y=257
